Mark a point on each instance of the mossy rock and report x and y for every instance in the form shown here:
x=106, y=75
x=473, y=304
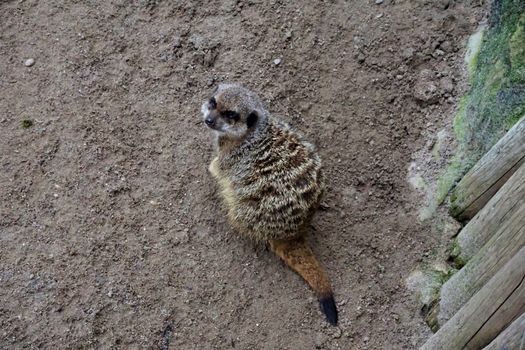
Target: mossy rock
x=496, y=98
x=27, y=123
x=455, y=255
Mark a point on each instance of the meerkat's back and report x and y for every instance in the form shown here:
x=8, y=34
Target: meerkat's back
x=278, y=185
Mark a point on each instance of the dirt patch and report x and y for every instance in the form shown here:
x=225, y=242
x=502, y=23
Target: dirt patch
x=111, y=231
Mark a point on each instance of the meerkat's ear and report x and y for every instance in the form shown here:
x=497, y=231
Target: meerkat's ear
x=252, y=119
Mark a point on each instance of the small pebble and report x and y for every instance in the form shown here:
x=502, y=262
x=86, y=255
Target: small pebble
x=337, y=334
x=29, y=62
x=379, y=2
x=319, y=340
x=445, y=46
x=277, y=61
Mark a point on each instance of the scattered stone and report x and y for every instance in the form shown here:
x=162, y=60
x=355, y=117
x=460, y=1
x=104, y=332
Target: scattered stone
x=337, y=333
x=198, y=41
x=288, y=35
x=320, y=339
x=450, y=227
x=417, y=182
x=29, y=62
x=361, y=58
x=277, y=61
x=426, y=284
x=163, y=57
x=177, y=42
x=408, y=53
x=445, y=46
x=379, y=2
x=198, y=58
x=425, y=90
x=446, y=85
x=210, y=57
x=203, y=43
x=366, y=339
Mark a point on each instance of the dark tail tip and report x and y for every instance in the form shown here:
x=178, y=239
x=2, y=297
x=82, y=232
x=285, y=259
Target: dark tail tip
x=329, y=309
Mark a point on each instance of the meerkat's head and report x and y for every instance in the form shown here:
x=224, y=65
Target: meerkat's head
x=233, y=111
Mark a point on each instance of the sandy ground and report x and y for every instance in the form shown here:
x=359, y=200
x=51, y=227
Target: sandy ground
x=111, y=232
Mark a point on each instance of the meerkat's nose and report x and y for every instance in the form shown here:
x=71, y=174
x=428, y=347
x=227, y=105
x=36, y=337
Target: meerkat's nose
x=209, y=121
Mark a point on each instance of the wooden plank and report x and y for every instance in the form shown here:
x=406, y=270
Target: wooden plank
x=513, y=337
x=513, y=306
x=482, y=181
x=508, y=238
x=488, y=312
x=509, y=199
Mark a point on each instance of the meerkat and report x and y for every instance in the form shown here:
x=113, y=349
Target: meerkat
x=270, y=180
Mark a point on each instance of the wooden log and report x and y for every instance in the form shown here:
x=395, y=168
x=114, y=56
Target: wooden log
x=509, y=199
x=489, y=174
x=488, y=312
x=513, y=337
x=508, y=238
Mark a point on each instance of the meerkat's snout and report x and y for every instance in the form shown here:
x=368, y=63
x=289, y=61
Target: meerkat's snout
x=208, y=116
x=213, y=120
x=209, y=121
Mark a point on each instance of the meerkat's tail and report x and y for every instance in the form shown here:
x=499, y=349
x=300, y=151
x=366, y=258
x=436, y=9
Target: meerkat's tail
x=297, y=254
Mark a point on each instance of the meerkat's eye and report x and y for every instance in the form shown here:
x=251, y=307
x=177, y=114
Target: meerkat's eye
x=213, y=103
x=231, y=115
